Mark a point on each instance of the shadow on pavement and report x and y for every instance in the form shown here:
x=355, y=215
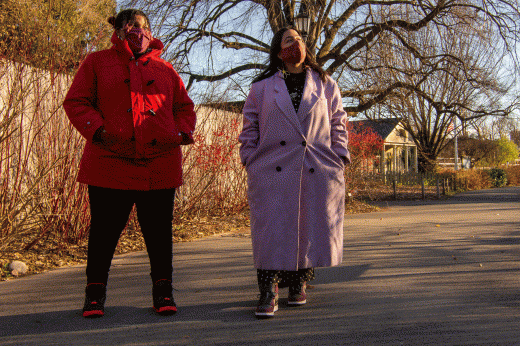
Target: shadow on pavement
x=123, y=316
x=339, y=274
x=120, y=316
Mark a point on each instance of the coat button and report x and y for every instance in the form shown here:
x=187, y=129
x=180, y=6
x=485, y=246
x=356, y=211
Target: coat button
x=129, y=110
x=132, y=138
x=150, y=82
x=146, y=62
x=311, y=170
x=304, y=143
x=282, y=143
x=127, y=80
x=278, y=169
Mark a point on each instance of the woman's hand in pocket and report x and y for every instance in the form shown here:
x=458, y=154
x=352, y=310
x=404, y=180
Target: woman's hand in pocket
x=166, y=144
x=102, y=137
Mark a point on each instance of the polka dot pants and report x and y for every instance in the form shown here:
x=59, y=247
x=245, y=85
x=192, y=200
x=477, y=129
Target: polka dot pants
x=284, y=278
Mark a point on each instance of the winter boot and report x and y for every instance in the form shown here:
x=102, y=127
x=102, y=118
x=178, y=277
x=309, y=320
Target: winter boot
x=163, y=302
x=297, y=294
x=95, y=296
x=268, y=302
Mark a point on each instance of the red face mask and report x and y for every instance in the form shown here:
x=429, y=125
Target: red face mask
x=294, y=54
x=138, y=39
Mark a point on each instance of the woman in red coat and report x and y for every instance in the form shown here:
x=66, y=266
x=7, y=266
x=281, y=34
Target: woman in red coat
x=133, y=109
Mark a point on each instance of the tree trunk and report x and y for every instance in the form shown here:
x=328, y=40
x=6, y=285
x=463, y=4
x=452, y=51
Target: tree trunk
x=427, y=162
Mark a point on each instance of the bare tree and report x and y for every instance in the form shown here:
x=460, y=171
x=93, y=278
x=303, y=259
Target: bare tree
x=215, y=40
x=463, y=85
x=501, y=128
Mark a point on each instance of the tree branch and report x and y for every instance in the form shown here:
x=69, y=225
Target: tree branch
x=212, y=78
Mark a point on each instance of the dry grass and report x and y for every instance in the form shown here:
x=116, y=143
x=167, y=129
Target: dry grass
x=50, y=253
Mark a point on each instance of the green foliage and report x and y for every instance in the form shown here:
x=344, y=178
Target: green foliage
x=53, y=34
x=507, y=151
x=498, y=177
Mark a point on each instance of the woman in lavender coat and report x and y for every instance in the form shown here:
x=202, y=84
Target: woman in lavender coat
x=294, y=148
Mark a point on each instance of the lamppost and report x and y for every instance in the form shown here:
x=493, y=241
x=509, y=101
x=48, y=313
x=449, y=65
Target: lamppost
x=456, y=145
x=302, y=21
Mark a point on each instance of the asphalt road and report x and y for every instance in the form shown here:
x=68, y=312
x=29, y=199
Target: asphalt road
x=416, y=273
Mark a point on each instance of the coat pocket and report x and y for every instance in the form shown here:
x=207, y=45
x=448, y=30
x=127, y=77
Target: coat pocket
x=161, y=144
x=116, y=143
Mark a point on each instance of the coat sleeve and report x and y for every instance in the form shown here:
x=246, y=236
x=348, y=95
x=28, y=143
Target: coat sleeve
x=250, y=134
x=339, y=119
x=80, y=102
x=183, y=109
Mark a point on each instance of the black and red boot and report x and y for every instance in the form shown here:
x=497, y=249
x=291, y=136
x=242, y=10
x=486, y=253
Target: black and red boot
x=163, y=302
x=95, y=296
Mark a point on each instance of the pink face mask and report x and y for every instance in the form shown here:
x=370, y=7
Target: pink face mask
x=138, y=39
x=294, y=54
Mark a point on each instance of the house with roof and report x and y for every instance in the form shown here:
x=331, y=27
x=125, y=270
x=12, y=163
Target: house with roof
x=399, y=152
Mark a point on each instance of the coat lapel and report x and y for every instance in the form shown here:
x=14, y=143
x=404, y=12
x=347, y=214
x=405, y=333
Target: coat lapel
x=309, y=97
x=283, y=100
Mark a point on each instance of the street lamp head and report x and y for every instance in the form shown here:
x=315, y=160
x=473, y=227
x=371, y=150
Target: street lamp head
x=302, y=21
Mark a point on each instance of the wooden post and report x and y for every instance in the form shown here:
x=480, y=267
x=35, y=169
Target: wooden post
x=438, y=187
x=395, y=188
x=422, y=188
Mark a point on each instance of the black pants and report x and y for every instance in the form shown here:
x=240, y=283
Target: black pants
x=110, y=209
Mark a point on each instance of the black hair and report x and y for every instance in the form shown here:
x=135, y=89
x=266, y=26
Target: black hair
x=125, y=16
x=275, y=63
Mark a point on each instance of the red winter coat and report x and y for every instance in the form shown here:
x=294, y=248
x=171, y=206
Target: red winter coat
x=144, y=107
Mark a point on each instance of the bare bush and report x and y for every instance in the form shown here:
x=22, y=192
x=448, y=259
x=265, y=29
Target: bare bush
x=213, y=175
x=38, y=154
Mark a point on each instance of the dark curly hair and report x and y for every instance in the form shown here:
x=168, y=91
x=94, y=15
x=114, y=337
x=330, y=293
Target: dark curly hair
x=125, y=16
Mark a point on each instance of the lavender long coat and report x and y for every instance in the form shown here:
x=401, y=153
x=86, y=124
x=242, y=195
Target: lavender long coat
x=296, y=188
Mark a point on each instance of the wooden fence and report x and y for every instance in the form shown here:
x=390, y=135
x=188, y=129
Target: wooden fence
x=422, y=183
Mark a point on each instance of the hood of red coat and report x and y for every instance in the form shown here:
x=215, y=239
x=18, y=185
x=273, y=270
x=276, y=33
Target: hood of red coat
x=122, y=47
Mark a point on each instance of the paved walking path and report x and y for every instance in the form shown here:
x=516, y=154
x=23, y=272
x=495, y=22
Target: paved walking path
x=416, y=273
